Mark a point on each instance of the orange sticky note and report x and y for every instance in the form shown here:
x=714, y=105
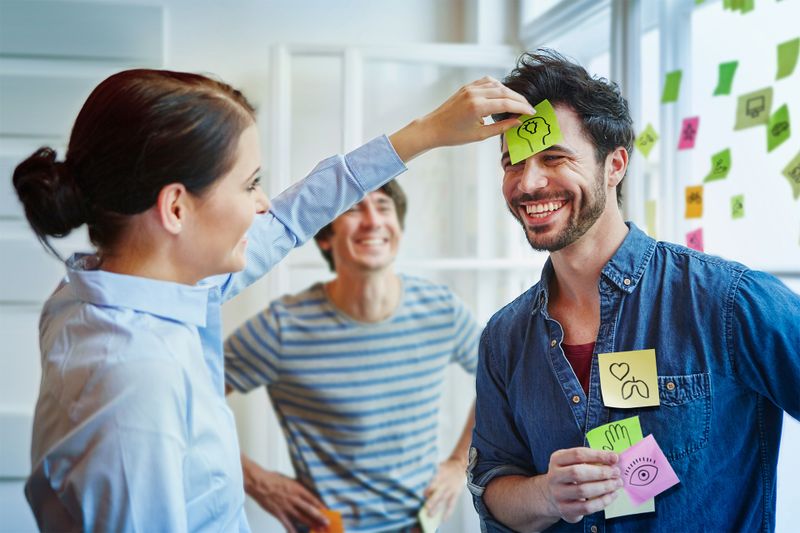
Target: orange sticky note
x=694, y=201
x=334, y=522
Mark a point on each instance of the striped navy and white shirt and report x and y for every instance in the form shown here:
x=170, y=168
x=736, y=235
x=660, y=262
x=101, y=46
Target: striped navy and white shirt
x=358, y=402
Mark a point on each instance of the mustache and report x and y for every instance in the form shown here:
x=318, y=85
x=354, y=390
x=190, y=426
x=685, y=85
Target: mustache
x=540, y=197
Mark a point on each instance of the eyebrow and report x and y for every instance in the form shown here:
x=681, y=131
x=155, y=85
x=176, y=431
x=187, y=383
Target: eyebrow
x=554, y=148
x=253, y=175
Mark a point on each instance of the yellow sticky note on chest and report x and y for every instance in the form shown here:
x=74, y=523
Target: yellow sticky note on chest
x=629, y=379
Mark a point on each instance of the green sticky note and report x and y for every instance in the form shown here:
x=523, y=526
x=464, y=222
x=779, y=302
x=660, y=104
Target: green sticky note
x=787, y=57
x=616, y=436
x=778, y=128
x=727, y=4
x=753, y=109
x=726, y=73
x=536, y=133
x=747, y=6
x=792, y=173
x=720, y=166
x=737, y=206
x=672, y=86
x=646, y=140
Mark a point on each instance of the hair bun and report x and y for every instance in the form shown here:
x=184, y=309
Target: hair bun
x=53, y=203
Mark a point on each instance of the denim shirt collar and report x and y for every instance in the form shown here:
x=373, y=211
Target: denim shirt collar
x=624, y=270
x=166, y=299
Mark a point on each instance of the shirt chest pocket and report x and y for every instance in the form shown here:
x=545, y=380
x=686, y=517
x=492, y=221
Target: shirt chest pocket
x=682, y=422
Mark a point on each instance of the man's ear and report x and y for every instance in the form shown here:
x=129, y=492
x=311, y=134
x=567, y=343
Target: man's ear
x=324, y=244
x=172, y=207
x=616, y=165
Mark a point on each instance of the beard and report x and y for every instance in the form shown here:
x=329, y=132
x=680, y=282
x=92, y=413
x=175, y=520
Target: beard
x=577, y=225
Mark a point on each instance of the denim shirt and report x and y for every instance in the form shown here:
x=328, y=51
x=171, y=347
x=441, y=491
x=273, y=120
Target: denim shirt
x=727, y=342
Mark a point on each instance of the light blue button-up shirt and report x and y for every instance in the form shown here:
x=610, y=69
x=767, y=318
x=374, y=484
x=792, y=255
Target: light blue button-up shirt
x=131, y=430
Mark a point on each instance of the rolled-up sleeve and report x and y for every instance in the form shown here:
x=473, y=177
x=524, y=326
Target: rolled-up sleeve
x=497, y=447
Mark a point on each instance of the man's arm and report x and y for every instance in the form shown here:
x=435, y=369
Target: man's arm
x=443, y=490
x=579, y=481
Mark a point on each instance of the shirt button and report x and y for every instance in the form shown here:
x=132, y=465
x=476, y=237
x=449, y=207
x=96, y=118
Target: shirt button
x=670, y=385
x=593, y=529
x=576, y=399
x=626, y=281
x=553, y=343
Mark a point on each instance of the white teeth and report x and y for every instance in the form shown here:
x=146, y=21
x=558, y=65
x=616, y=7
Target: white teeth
x=535, y=209
x=372, y=242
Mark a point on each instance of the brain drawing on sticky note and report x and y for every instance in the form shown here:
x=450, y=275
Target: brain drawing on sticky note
x=535, y=131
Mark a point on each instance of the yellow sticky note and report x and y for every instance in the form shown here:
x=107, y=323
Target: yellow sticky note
x=335, y=524
x=536, y=133
x=629, y=379
x=430, y=524
x=694, y=201
x=646, y=140
x=650, y=213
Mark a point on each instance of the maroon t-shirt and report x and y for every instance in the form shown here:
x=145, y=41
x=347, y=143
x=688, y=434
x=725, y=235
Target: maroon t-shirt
x=580, y=358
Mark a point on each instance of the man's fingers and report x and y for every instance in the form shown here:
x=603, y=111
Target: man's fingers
x=584, y=473
x=286, y=522
x=587, y=491
x=574, y=511
x=574, y=456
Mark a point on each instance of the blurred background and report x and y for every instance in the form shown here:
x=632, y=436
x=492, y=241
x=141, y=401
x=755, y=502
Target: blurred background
x=326, y=76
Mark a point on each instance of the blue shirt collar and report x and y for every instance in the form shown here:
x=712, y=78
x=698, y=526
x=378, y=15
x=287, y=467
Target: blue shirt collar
x=166, y=299
x=627, y=263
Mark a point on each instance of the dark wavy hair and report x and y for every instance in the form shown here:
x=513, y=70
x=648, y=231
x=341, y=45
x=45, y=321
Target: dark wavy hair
x=391, y=189
x=546, y=74
x=138, y=131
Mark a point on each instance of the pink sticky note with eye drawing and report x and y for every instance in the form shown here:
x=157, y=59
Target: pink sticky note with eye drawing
x=694, y=239
x=688, y=133
x=645, y=471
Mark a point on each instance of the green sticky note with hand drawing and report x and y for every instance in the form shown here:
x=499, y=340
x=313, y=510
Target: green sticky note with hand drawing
x=753, y=109
x=737, y=206
x=778, y=128
x=720, y=166
x=646, y=140
x=536, y=133
x=726, y=73
x=672, y=86
x=787, y=57
x=618, y=436
x=792, y=173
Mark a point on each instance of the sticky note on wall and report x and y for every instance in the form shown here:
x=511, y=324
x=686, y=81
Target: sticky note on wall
x=688, y=133
x=787, y=57
x=694, y=201
x=720, y=166
x=737, y=206
x=792, y=173
x=646, y=140
x=672, y=87
x=753, y=109
x=778, y=128
x=725, y=81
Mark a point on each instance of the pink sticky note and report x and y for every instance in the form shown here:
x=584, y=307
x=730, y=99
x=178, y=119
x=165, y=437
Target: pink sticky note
x=688, y=133
x=645, y=471
x=694, y=239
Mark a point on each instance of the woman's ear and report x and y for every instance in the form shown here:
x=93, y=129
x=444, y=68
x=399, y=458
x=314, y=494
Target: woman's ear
x=172, y=207
x=616, y=166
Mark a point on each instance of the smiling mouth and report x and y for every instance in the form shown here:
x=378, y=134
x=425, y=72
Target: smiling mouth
x=371, y=242
x=539, y=210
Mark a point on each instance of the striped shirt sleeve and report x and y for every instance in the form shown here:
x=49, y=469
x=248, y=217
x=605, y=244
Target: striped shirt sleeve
x=252, y=352
x=467, y=336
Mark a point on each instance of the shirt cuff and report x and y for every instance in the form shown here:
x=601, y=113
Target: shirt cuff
x=477, y=486
x=375, y=163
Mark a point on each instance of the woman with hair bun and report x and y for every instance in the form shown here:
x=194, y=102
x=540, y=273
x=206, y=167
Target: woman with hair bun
x=131, y=429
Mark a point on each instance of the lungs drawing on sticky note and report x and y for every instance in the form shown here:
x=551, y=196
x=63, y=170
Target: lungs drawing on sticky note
x=637, y=386
x=641, y=471
x=535, y=131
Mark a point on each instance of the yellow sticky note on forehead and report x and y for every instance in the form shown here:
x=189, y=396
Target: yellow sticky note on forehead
x=629, y=379
x=535, y=133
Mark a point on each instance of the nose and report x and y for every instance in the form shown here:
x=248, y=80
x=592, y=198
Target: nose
x=262, y=202
x=370, y=216
x=534, y=176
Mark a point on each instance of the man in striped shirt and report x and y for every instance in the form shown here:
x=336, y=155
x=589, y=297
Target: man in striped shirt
x=355, y=368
